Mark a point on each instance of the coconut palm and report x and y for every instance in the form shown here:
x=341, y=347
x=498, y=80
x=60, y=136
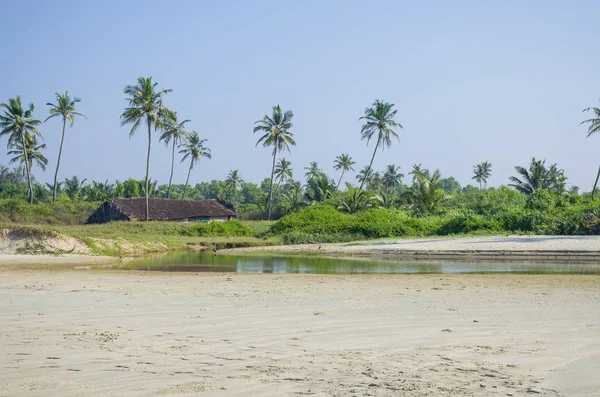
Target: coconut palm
x=31, y=154
x=194, y=148
x=234, y=182
x=319, y=188
x=355, y=200
x=19, y=124
x=594, y=126
x=65, y=108
x=283, y=171
x=73, y=187
x=343, y=162
x=312, y=171
x=276, y=134
x=478, y=174
x=486, y=168
x=173, y=130
x=144, y=105
x=392, y=178
x=537, y=177
x=294, y=198
x=416, y=171
x=365, y=175
x=426, y=195
x=379, y=120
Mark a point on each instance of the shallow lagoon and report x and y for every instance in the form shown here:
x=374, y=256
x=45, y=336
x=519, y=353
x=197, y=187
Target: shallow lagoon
x=206, y=262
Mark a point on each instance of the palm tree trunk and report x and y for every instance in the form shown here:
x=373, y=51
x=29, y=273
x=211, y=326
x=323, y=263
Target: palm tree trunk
x=62, y=141
x=340, y=181
x=271, y=186
x=188, y=179
x=28, y=169
x=372, y=158
x=595, y=183
x=172, y=166
x=148, y=166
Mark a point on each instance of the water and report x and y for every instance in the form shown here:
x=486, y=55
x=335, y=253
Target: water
x=206, y=262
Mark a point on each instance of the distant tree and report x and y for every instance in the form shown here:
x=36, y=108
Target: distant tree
x=72, y=187
x=379, y=120
x=594, y=126
x=31, y=154
x=343, y=162
x=478, y=174
x=294, y=198
x=365, y=176
x=145, y=105
x=481, y=173
x=537, y=177
x=355, y=200
x=450, y=185
x=426, y=195
x=319, y=188
x=392, y=178
x=312, y=171
x=283, y=171
x=276, y=134
x=19, y=124
x=194, y=148
x=64, y=108
x=416, y=171
x=234, y=182
x=173, y=130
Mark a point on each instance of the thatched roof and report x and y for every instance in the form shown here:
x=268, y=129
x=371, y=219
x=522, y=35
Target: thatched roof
x=164, y=210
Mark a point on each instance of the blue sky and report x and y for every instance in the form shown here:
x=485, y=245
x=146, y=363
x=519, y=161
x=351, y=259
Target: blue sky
x=472, y=81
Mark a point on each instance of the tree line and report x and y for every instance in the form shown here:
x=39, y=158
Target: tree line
x=146, y=106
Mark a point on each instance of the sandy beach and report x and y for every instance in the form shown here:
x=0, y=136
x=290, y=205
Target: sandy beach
x=475, y=248
x=127, y=333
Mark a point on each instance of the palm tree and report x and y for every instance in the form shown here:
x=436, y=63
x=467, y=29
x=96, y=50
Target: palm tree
x=486, y=168
x=31, y=153
x=343, y=162
x=594, y=126
x=145, y=104
x=426, y=194
x=392, y=178
x=234, y=182
x=478, y=174
x=312, y=171
x=283, y=171
x=537, y=177
x=65, y=108
x=18, y=123
x=172, y=130
x=355, y=200
x=365, y=176
x=194, y=148
x=416, y=171
x=379, y=120
x=276, y=133
x=319, y=188
x=73, y=187
x=294, y=198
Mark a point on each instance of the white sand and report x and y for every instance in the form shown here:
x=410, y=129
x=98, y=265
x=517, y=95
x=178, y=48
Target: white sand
x=108, y=333
x=564, y=247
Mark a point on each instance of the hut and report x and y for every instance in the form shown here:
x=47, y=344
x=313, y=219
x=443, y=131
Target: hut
x=133, y=209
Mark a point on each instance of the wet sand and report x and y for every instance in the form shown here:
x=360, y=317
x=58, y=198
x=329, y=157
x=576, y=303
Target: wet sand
x=127, y=333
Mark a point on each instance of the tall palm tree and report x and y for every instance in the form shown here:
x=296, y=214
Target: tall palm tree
x=594, y=126
x=312, y=171
x=234, y=182
x=486, y=172
x=284, y=171
x=144, y=105
x=379, y=120
x=343, y=162
x=276, y=133
x=31, y=153
x=537, y=177
x=194, y=148
x=19, y=123
x=65, y=108
x=175, y=131
x=478, y=174
x=416, y=171
x=392, y=178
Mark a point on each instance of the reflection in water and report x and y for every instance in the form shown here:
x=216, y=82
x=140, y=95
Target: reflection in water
x=203, y=262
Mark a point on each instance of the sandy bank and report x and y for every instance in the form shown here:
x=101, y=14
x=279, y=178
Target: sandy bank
x=509, y=247
x=110, y=333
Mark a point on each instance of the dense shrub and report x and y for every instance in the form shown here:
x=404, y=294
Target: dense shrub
x=470, y=223
x=233, y=228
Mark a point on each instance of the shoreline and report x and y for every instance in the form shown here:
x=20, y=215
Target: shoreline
x=561, y=248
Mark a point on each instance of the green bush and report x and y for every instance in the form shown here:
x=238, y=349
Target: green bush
x=470, y=223
x=233, y=228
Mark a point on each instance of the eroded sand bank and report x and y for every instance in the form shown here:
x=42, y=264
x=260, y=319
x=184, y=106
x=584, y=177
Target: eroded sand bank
x=110, y=333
